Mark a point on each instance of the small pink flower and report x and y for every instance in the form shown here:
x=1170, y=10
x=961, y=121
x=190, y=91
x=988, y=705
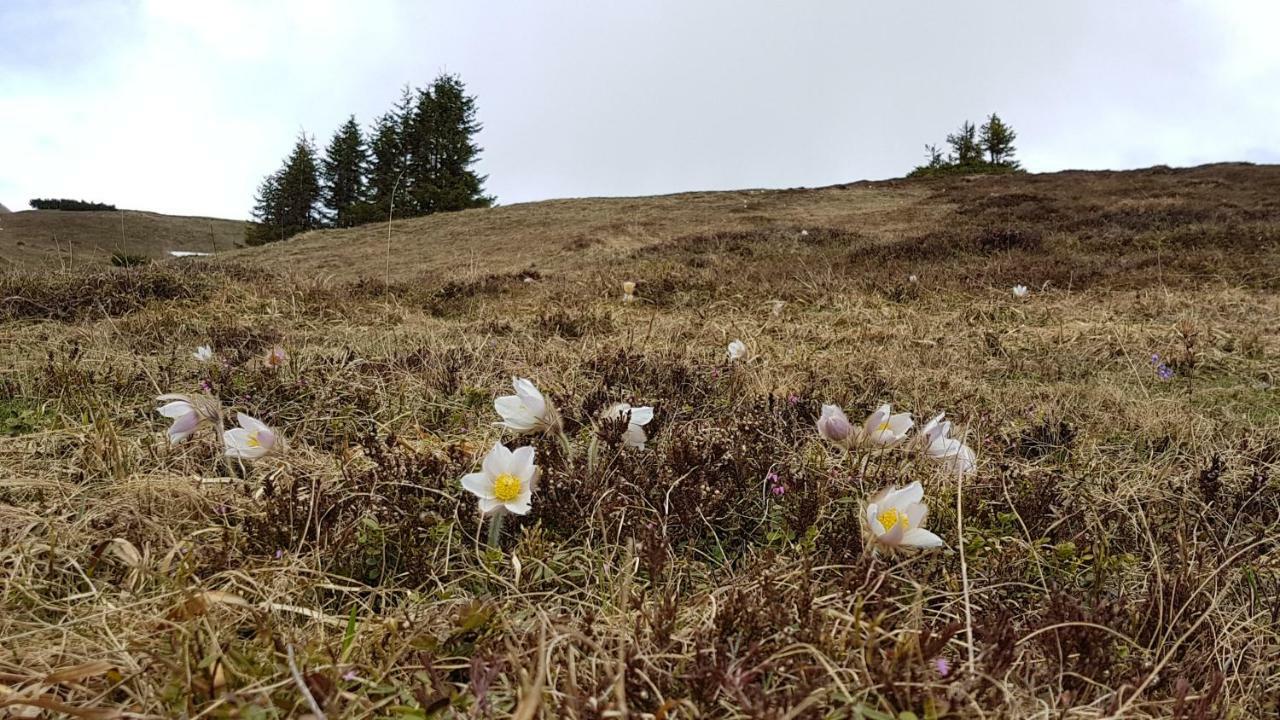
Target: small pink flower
x=943, y=666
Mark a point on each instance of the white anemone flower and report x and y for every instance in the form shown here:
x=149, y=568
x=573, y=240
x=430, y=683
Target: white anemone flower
x=252, y=440
x=188, y=413
x=952, y=454
x=896, y=518
x=834, y=425
x=737, y=350
x=637, y=418
x=505, y=481
x=628, y=291
x=913, y=279
x=778, y=305
x=884, y=429
x=527, y=411
x=204, y=353
x=1020, y=291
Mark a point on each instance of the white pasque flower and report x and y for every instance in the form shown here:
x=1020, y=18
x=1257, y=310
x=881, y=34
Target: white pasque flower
x=834, y=425
x=737, y=350
x=884, y=429
x=204, y=353
x=778, y=305
x=637, y=418
x=505, y=481
x=187, y=412
x=252, y=440
x=896, y=518
x=913, y=279
x=1020, y=291
x=527, y=411
x=953, y=454
x=628, y=291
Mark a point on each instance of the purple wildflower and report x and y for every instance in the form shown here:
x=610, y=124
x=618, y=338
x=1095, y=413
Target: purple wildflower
x=943, y=666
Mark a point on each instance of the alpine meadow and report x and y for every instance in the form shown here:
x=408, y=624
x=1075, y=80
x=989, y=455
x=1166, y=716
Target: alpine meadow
x=500, y=399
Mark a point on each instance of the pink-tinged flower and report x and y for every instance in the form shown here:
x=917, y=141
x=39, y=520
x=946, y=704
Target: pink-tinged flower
x=527, y=411
x=943, y=666
x=276, y=357
x=883, y=429
x=505, y=481
x=896, y=518
x=1020, y=291
x=252, y=440
x=188, y=413
x=204, y=353
x=834, y=425
x=637, y=418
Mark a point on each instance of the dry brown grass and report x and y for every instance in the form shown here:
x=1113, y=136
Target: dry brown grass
x=1119, y=537
x=47, y=239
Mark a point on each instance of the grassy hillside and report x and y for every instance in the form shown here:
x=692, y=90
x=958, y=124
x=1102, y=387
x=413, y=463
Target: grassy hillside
x=41, y=239
x=1114, y=555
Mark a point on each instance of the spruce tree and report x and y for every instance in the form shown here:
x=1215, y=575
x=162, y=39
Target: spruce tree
x=997, y=139
x=343, y=172
x=265, y=226
x=386, y=162
x=451, y=184
x=299, y=190
x=421, y=144
x=965, y=149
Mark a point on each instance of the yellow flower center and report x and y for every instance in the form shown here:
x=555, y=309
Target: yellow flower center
x=506, y=487
x=253, y=440
x=890, y=517
x=883, y=426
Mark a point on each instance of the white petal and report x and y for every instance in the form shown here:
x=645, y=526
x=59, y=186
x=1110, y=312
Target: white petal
x=901, y=499
x=919, y=537
x=175, y=409
x=916, y=515
x=877, y=418
x=893, y=536
x=530, y=396
x=517, y=507
x=497, y=460
x=248, y=422
x=488, y=505
x=478, y=484
x=873, y=520
x=634, y=436
x=521, y=464
x=900, y=423
x=641, y=415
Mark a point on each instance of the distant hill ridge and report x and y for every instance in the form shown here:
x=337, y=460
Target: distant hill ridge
x=63, y=238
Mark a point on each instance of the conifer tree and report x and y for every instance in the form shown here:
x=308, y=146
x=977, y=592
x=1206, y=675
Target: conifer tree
x=343, y=173
x=289, y=200
x=265, y=225
x=965, y=149
x=446, y=181
x=997, y=139
x=386, y=162
x=421, y=144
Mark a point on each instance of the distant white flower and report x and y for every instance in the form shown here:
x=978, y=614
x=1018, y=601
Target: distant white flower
x=952, y=454
x=252, y=440
x=884, y=429
x=737, y=350
x=527, y=411
x=804, y=233
x=628, y=291
x=638, y=417
x=204, y=353
x=777, y=307
x=834, y=425
x=276, y=357
x=505, y=481
x=187, y=412
x=913, y=279
x=1020, y=291
x=896, y=518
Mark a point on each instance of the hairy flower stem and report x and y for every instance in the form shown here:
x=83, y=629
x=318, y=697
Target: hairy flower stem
x=495, y=528
x=567, y=446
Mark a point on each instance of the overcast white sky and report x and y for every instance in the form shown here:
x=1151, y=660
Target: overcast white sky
x=182, y=107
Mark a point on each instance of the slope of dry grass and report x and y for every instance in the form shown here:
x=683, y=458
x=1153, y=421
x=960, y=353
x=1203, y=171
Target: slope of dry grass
x=47, y=239
x=1115, y=554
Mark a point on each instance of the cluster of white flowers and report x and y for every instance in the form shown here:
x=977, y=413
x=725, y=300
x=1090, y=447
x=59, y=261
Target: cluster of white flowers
x=894, y=516
x=251, y=441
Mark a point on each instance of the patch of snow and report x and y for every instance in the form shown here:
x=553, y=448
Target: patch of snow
x=188, y=253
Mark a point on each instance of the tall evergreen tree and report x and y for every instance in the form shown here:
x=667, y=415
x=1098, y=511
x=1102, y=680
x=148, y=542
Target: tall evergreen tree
x=965, y=149
x=343, y=173
x=265, y=226
x=386, y=162
x=297, y=191
x=450, y=184
x=997, y=139
x=421, y=131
